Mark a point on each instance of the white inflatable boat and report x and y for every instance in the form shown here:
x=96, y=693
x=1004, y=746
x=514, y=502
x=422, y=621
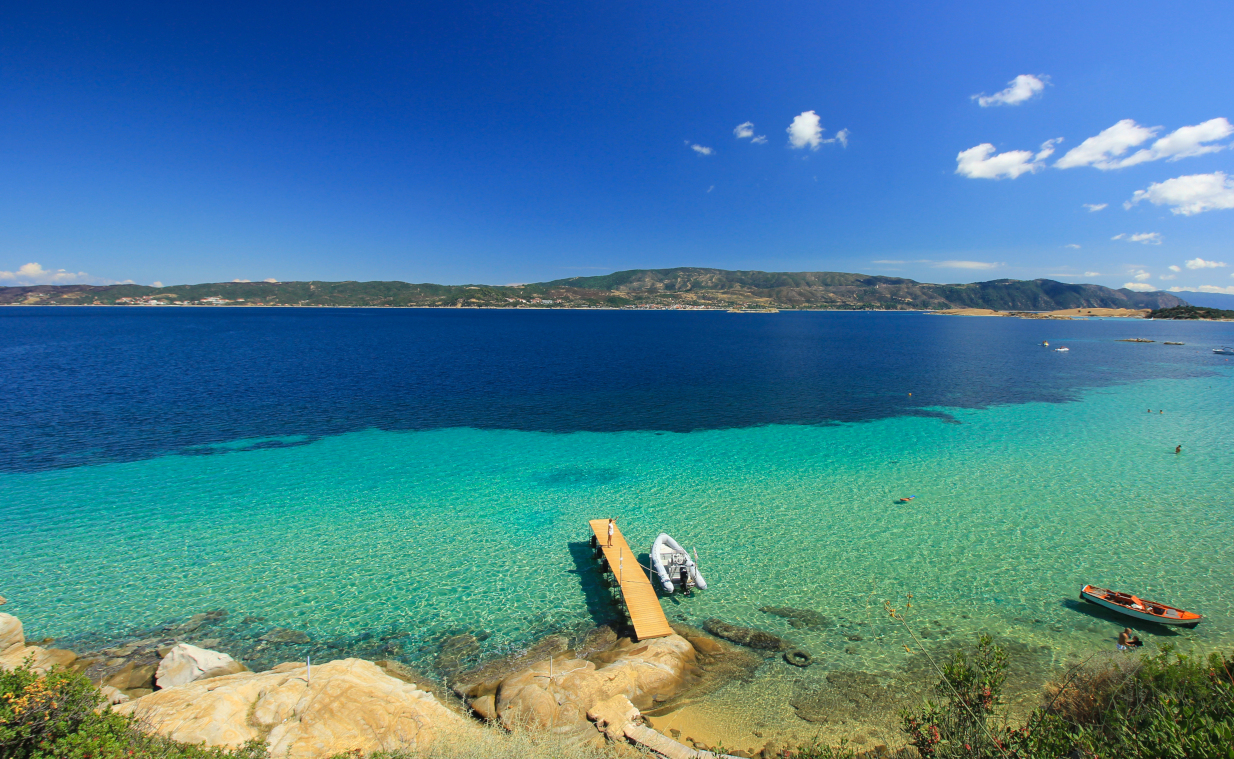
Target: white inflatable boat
x=668, y=558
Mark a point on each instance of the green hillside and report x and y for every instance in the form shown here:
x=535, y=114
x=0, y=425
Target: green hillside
x=640, y=288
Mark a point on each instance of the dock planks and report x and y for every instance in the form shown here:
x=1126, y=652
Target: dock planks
x=640, y=595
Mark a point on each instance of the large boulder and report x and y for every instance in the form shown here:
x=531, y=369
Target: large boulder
x=11, y=633
x=557, y=692
x=185, y=663
x=349, y=705
x=14, y=652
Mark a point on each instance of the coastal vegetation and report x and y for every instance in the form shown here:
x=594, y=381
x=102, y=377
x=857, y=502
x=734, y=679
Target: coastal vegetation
x=682, y=288
x=1191, y=312
x=1166, y=704
x=60, y=714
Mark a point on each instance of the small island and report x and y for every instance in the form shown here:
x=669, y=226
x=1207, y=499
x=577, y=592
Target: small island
x=1192, y=312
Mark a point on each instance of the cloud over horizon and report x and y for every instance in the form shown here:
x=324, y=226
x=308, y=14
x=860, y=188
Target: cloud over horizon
x=1020, y=89
x=34, y=274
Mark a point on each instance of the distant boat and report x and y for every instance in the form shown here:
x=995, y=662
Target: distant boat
x=1061, y=350
x=1136, y=608
x=668, y=558
x=1224, y=349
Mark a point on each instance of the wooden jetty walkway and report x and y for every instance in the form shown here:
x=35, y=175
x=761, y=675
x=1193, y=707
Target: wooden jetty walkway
x=640, y=595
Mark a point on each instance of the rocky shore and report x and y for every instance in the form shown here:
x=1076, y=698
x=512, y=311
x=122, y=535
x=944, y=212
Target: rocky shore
x=588, y=690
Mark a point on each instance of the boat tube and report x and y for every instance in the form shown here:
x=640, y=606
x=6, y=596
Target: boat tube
x=667, y=559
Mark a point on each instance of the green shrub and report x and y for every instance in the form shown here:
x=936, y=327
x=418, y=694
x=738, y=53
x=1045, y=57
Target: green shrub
x=61, y=715
x=1166, y=705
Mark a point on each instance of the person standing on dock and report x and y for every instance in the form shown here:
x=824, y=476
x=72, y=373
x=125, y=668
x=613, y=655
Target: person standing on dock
x=610, y=531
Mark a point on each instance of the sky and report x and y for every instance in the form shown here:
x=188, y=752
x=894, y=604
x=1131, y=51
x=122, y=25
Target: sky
x=498, y=143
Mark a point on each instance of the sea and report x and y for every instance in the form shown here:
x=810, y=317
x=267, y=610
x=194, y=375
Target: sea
x=385, y=479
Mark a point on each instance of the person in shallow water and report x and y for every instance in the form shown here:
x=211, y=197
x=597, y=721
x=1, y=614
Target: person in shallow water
x=1178, y=449
x=1128, y=641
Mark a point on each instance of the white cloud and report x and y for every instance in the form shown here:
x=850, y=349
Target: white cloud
x=1148, y=238
x=743, y=131
x=1189, y=195
x=34, y=274
x=805, y=131
x=1104, y=151
x=1183, y=142
x=1139, y=287
x=1018, y=90
x=1095, y=207
x=1200, y=263
x=1168, y=276
x=701, y=150
x=270, y=279
x=841, y=137
x=966, y=265
x=1099, y=151
x=1047, y=149
x=156, y=284
x=1175, y=269
x=1140, y=275
x=1092, y=274
x=1072, y=245
x=980, y=163
x=760, y=140
x=242, y=280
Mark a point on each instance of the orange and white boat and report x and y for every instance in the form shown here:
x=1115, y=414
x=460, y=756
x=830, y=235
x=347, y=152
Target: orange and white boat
x=1137, y=608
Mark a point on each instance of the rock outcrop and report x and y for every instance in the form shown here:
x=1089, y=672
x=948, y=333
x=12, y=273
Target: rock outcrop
x=14, y=652
x=557, y=691
x=348, y=705
x=185, y=664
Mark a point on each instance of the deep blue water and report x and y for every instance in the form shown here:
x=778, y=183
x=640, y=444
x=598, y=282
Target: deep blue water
x=94, y=385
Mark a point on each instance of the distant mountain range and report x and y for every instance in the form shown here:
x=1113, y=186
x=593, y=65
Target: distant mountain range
x=637, y=288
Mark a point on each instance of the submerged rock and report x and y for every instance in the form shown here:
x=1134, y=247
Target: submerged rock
x=798, y=618
x=283, y=635
x=454, y=651
x=596, y=641
x=847, y=696
x=747, y=636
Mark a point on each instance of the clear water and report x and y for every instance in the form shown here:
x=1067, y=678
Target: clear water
x=423, y=532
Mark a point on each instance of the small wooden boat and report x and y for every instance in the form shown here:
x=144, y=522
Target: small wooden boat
x=1136, y=608
x=906, y=500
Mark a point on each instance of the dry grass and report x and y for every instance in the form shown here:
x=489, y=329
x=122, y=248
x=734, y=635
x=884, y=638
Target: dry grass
x=493, y=742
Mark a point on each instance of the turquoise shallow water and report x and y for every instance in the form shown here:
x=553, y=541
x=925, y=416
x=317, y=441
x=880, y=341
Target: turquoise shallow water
x=434, y=531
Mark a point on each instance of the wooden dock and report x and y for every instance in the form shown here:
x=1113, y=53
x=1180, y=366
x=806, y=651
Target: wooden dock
x=636, y=589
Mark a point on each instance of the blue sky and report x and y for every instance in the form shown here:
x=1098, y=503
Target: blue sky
x=498, y=143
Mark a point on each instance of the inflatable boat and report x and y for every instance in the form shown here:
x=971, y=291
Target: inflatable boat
x=668, y=558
